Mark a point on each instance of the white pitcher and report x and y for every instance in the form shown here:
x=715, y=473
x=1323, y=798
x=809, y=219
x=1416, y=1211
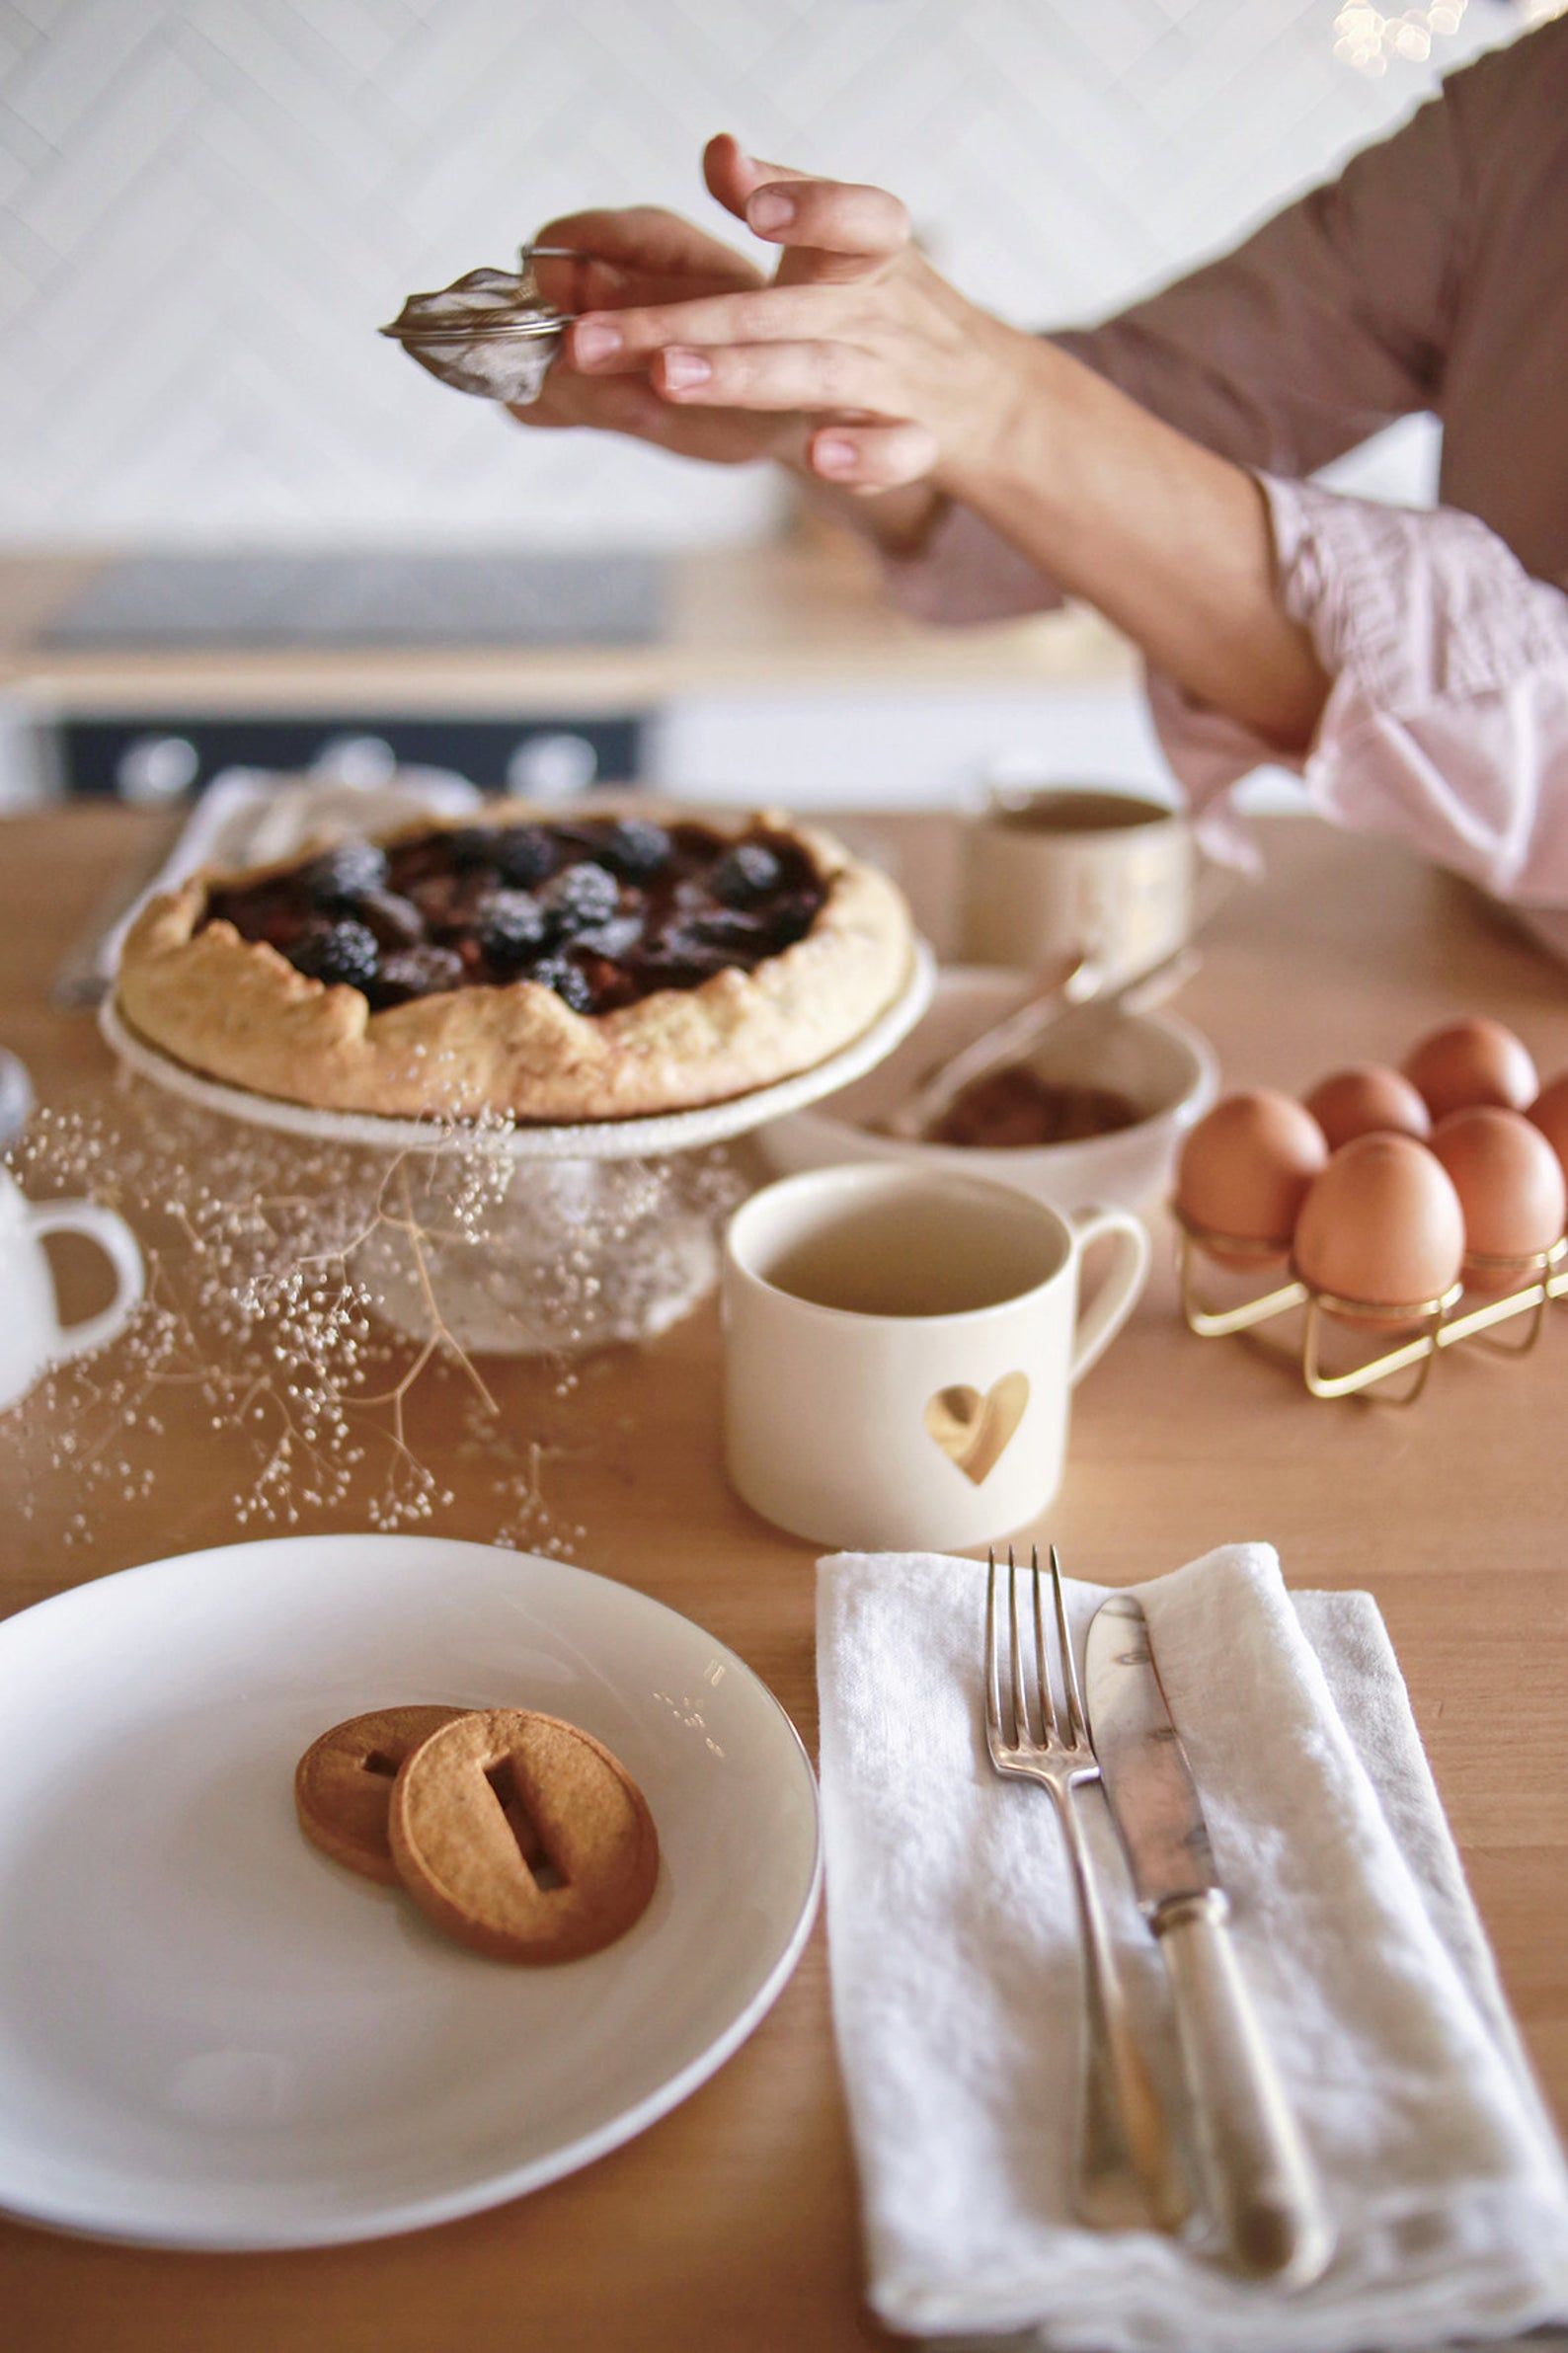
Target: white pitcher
x=32, y=1335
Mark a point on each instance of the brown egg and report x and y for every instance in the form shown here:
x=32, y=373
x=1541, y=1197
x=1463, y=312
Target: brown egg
x=1381, y=1224
x=1549, y=1113
x=1366, y=1101
x=1245, y=1169
x=1511, y=1188
x=1475, y=1061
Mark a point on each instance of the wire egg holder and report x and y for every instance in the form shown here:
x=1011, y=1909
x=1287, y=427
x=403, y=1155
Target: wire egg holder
x=1541, y=1276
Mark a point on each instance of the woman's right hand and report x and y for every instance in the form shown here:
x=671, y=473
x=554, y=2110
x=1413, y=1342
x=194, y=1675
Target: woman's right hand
x=642, y=258
x=632, y=258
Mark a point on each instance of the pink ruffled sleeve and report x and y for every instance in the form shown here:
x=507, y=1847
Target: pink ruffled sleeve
x=1447, y=725
x=1447, y=721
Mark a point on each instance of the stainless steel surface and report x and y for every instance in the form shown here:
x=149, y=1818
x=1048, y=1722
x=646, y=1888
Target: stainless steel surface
x=1127, y=2173
x=530, y=315
x=1004, y=1039
x=1148, y=1778
x=1141, y=992
x=1074, y=1009
x=1260, y=2180
x=504, y=330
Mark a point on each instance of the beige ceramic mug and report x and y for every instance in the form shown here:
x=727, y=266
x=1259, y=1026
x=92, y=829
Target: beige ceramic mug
x=900, y=1349
x=1078, y=870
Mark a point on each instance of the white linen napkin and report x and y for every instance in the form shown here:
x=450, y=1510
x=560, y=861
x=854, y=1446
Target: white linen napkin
x=952, y=1946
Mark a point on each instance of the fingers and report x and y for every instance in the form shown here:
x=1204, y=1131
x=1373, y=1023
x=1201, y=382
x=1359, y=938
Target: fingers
x=639, y=253
x=618, y=343
x=872, y=457
x=731, y=174
x=831, y=229
x=834, y=229
x=783, y=375
x=624, y=406
x=831, y=216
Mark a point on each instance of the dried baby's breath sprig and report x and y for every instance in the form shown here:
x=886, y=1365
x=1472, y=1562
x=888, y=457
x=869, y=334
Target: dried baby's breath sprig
x=305, y=1299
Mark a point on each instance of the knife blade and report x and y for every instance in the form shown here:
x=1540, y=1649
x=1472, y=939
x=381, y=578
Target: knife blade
x=1261, y=2185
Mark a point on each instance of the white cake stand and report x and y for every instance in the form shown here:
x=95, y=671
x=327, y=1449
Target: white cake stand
x=601, y=1233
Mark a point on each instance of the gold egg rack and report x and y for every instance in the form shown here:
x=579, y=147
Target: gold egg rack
x=1426, y=1326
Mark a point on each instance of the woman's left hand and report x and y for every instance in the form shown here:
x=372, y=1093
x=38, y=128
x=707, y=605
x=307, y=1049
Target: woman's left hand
x=898, y=378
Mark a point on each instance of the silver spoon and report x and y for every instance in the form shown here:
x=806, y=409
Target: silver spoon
x=1079, y=1006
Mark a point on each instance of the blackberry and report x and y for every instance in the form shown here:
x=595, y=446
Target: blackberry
x=579, y=900
x=344, y=952
x=524, y=855
x=395, y=921
x=636, y=848
x=683, y=960
x=728, y=927
x=418, y=972
x=613, y=940
x=791, y=917
x=344, y=873
x=511, y=926
x=744, y=873
x=573, y=987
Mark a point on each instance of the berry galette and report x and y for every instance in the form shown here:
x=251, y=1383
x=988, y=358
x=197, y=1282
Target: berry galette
x=532, y=967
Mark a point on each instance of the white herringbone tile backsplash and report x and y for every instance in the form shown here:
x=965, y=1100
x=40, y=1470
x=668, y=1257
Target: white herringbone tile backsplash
x=207, y=205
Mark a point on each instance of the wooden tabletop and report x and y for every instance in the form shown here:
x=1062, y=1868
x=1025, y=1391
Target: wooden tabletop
x=732, y=2223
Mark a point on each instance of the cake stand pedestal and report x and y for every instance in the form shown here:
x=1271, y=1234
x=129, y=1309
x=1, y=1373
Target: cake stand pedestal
x=538, y=1240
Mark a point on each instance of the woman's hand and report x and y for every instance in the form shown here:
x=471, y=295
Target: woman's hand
x=858, y=357
x=866, y=371
x=641, y=255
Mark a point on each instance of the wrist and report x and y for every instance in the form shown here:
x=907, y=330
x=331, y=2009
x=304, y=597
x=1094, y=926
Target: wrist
x=1011, y=422
x=898, y=522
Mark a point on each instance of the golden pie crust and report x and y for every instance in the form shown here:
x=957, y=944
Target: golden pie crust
x=238, y=1011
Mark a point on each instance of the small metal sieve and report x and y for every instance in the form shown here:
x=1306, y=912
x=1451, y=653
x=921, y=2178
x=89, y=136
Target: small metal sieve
x=489, y=332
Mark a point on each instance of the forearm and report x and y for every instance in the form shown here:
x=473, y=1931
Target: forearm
x=898, y=523
x=1170, y=542
x=1447, y=725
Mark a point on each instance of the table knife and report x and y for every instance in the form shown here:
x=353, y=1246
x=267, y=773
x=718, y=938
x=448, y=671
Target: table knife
x=1258, y=2174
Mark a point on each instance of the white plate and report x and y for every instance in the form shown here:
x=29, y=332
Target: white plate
x=594, y=1139
x=211, y=2036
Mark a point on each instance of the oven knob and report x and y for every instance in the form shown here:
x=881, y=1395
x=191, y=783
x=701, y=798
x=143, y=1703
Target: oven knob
x=157, y=768
x=553, y=768
x=364, y=761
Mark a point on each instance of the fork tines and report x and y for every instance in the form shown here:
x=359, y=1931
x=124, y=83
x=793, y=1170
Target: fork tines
x=1022, y=1733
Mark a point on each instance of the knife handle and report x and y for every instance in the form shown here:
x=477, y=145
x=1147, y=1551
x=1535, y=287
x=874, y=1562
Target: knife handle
x=1260, y=2177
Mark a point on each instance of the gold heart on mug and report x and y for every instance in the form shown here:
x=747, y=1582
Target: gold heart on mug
x=972, y=1430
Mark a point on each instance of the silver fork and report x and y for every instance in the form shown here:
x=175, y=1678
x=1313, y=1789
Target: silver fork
x=1127, y=2172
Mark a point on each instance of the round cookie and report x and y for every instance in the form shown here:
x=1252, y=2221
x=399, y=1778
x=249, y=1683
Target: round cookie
x=454, y=1833
x=343, y=1783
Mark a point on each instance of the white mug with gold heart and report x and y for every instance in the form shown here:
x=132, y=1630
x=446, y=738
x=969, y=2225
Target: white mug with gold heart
x=900, y=1349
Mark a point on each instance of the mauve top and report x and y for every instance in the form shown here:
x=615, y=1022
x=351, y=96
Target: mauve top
x=1432, y=276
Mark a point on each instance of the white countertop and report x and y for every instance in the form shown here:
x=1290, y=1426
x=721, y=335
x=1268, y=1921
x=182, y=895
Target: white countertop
x=794, y=616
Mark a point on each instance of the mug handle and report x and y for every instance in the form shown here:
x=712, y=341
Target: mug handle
x=120, y=1246
x=1118, y=1295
